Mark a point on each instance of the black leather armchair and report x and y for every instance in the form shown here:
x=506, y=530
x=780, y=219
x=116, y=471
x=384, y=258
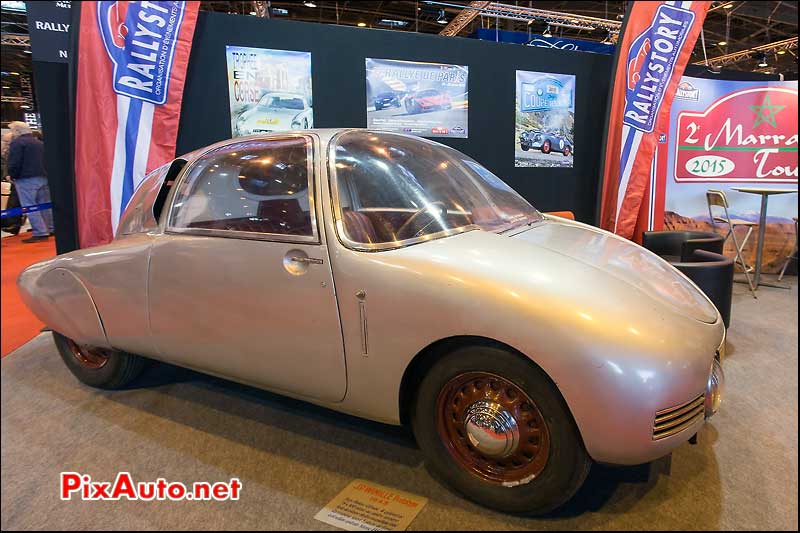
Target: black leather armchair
x=679, y=245
x=699, y=256
x=713, y=273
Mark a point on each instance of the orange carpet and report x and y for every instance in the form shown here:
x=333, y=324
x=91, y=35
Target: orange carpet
x=17, y=323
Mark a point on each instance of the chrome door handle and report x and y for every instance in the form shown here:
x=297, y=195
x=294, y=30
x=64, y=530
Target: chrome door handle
x=307, y=260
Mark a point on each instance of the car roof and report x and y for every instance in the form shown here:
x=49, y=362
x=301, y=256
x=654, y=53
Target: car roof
x=324, y=135
x=284, y=95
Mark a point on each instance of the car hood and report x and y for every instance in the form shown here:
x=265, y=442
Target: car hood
x=575, y=261
x=271, y=117
x=432, y=99
x=625, y=261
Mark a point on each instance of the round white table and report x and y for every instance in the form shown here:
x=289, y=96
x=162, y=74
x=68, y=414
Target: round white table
x=765, y=192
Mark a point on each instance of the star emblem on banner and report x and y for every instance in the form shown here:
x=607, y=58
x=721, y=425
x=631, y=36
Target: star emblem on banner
x=766, y=112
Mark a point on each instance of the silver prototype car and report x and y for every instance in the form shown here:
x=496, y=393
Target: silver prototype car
x=396, y=279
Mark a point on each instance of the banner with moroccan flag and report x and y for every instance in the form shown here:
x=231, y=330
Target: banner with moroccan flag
x=132, y=59
x=726, y=135
x=653, y=52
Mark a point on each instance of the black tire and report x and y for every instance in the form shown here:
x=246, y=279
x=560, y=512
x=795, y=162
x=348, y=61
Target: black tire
x=119, y=370
x=524, y=147
x=378, y=107
x=567, y=463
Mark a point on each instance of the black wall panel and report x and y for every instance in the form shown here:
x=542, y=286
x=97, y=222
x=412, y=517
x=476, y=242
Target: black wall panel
x=339, y=87
x=53, y=102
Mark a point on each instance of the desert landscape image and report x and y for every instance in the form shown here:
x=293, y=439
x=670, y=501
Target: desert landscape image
x=779, y=239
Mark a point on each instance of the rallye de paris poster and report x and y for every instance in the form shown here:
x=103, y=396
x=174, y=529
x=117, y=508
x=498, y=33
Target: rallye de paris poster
x=425, y=99
x=544, y=130
x=269, y=90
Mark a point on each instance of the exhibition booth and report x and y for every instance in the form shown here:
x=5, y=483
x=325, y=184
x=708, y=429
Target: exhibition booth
x=313, y=275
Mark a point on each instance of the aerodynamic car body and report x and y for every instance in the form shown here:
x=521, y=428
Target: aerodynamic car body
x=384, y=100
x=394, y=278
x=427, y=100
x=546, y=141
x=276, y=112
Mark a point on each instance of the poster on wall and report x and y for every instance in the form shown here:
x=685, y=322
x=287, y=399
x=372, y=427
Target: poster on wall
x=728, y=134
x=269, y=90
x=544, y=130
x=425, y=99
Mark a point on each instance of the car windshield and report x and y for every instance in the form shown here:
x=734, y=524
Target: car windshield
x=394, y=190
x=284, y=102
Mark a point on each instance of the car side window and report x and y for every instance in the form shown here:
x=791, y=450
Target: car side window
x=138, y=215
x=251, y=189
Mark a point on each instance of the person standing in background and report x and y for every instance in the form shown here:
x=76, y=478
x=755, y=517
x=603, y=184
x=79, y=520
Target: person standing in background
x=26, y=169
x=9, y=224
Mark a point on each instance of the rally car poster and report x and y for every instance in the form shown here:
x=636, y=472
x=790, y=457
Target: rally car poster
x=269, y=90
x=425, y=99
x=544, y=133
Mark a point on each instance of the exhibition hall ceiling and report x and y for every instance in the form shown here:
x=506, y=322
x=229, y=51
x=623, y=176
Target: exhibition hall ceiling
x=730, y=26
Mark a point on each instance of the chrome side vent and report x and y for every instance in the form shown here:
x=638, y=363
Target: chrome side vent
x=670, y=421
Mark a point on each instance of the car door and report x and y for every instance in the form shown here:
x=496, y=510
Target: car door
x=240, y=283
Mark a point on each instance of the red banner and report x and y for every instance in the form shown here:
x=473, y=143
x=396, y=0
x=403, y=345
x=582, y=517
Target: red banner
x=132, y=59
x=654, y=50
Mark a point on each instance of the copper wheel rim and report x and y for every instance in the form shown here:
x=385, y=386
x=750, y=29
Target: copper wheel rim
x=513, y=441
x=89, y=356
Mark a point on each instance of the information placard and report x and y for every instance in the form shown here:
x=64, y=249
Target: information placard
x=365, y=506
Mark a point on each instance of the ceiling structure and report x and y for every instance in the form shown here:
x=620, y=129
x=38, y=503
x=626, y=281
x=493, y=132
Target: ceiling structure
x=730, y=26
x=739, y=35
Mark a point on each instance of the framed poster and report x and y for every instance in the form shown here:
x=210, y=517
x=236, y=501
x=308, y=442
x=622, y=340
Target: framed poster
x=425, y=99
x=544, y=130
x=269, y=90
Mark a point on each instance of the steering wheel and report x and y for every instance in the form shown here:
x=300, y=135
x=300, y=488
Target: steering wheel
x=424, y=210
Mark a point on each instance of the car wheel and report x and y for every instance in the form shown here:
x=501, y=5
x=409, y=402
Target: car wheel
x=98, y=367
x=377, y=107
x=546, y=147
x=566, y=151
x=524, y=147
x=495, y=428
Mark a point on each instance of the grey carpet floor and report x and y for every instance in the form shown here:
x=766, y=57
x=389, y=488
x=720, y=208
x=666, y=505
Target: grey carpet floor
x=292, y=458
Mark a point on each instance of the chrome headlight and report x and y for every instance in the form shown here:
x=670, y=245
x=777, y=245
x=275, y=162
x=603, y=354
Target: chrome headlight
x=714, y=389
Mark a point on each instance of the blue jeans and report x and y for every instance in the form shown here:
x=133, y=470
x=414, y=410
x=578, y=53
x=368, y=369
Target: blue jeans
x=32, y=191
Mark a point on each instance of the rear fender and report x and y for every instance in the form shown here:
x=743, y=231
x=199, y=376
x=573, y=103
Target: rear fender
x=60, y=300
